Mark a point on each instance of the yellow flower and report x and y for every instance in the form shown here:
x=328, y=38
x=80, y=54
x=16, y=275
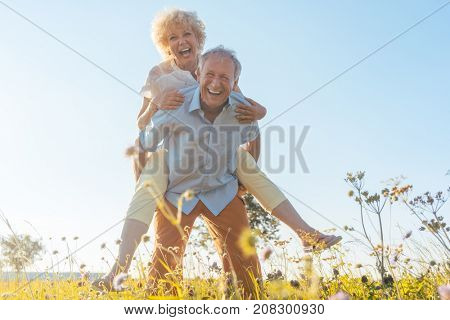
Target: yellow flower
x=247, y=243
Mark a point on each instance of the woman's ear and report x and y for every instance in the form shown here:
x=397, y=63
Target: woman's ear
x=197, y=73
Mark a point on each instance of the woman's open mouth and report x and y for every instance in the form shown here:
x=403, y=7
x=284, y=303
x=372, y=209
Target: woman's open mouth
x=185, y=52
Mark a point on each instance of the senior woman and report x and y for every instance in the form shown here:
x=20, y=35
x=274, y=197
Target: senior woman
x=180, y=35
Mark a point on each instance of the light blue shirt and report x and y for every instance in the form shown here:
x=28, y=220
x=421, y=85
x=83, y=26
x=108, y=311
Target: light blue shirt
x=202, y=156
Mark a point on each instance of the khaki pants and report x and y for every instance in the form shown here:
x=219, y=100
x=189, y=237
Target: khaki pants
x=225, y=229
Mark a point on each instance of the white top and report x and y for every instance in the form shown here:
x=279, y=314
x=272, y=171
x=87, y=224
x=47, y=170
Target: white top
x=166, y=76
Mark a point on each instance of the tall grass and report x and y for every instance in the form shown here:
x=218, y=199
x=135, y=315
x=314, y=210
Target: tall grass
x=412, y=268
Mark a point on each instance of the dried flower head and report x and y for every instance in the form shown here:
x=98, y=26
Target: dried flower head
x=407, y=235
x=266, y=253
x=189, y=194
x=295, y=283
x=131, y=151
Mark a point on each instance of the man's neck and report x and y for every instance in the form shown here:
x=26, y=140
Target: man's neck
x=211, y=113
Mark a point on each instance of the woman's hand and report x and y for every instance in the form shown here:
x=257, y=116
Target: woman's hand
x=248, y=114
x=168, y=100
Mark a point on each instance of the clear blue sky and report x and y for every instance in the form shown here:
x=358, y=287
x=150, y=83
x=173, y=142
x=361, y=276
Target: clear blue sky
x=64, y=124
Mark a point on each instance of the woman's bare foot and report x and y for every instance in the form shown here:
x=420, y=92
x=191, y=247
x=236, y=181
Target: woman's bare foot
x=315, y=242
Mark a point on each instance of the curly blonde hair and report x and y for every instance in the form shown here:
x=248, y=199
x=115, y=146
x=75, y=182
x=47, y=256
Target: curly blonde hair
x=166, y=19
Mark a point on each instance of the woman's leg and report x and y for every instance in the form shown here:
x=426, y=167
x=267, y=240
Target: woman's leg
x=273, y=200
x=139, y=161
x=150, y=188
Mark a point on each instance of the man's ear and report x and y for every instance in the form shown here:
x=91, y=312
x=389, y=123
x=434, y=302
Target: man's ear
x=235, y=85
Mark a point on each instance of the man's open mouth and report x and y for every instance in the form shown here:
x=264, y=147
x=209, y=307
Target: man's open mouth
x=214, y=93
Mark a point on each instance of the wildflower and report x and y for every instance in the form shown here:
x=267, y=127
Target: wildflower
x=407, y=235
x=55, y=252
x=118, y=241
x=103, y=246
x=63, y=239
x=189, y=194
x=364, y=279
x=267, y=252
x=444, y=292
x=82, y=266
x=118, y=282
x=432, y=263
x=276, y=275
x=247, y=243
x=341, y=295
x=358, y=265
x=75, y=238
x=350, y=193
x=145, y=238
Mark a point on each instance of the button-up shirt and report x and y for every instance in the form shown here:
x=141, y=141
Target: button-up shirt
x=202, y=156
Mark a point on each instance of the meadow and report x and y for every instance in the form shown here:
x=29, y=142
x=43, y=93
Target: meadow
x=410, y=269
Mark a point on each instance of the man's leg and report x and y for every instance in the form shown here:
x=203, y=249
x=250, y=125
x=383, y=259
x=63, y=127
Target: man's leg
x=226, y=230
x=170, y=244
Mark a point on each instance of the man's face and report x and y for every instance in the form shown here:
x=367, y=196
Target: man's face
x=216, y=80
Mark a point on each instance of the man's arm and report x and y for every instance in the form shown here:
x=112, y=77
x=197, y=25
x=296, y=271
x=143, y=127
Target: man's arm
x=155, y=132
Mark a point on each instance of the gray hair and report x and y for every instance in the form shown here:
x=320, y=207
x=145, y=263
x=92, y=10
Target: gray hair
x=220, y=50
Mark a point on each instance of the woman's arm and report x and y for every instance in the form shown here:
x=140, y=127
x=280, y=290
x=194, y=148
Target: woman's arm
x=145, y=114
x=247, y=114
x=169, y=100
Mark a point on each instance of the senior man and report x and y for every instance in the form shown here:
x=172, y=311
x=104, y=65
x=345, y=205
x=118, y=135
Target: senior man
x=202, y=138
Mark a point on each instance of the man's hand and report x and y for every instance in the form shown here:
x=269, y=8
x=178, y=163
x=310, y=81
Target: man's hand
x=248, y=114
x=168, y=100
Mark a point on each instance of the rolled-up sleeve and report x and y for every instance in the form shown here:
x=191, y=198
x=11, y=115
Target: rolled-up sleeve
x=155, y=132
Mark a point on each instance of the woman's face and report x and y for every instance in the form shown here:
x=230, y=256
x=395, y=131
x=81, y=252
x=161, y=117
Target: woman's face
x=183, y=46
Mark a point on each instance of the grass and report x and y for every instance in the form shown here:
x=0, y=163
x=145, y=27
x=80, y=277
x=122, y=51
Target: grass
x=410, y=269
